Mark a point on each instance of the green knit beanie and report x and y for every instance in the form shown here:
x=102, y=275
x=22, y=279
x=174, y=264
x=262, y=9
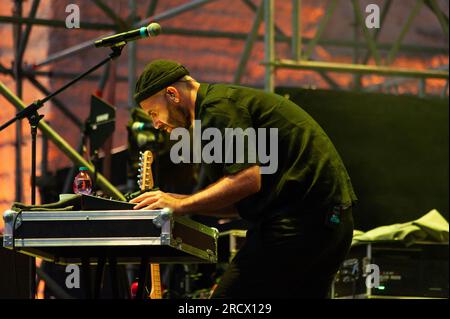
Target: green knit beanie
x=156, y=76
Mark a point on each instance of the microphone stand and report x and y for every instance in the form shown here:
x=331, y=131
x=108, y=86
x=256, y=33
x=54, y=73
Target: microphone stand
x=31, y=113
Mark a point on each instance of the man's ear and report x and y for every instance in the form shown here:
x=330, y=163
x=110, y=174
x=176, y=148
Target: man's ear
x=173, y=94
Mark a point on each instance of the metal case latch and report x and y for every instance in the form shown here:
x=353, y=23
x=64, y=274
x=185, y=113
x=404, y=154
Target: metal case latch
x=162, y=218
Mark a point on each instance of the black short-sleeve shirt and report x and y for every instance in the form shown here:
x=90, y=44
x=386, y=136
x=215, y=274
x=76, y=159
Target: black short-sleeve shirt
x=310, y=173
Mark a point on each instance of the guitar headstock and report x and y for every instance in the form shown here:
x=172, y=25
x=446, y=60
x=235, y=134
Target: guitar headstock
x=145, y=177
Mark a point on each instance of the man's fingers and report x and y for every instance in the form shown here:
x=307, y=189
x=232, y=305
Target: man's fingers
x=152, y=206
x=139, y=198
x=155, y=205
x=143, y=196
x=145, y=202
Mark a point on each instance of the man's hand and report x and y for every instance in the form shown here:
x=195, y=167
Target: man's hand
x=218, y=199
x=157, y=200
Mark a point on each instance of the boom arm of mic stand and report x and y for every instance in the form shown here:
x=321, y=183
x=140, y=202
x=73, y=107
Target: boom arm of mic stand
x=36, y=105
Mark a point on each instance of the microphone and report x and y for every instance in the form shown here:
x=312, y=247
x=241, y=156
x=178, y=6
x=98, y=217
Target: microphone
x=142, y=126
x=152, y=30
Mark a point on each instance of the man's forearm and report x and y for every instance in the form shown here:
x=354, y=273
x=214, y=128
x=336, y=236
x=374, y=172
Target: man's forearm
x=180, y=196
x=226, y=192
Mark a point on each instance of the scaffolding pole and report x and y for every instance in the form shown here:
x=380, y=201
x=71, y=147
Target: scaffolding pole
x=269, y=45
x=132, y=56
x=17, y=71
x=359, y=69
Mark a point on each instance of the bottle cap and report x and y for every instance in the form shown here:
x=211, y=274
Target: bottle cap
x=83, y=168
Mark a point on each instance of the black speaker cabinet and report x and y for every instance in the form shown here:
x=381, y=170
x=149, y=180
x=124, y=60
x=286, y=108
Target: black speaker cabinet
x=416, y=271
x=14, y=274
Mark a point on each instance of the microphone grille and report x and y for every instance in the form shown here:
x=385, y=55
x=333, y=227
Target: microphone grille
x=154, y=29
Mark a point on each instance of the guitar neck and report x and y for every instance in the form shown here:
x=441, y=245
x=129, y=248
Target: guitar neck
x=146, y=182
x=156, y=292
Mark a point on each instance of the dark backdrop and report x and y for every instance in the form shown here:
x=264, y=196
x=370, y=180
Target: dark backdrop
x=394, y=147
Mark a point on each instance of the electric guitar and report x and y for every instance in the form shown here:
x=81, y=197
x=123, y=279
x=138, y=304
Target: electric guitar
x=145, y=182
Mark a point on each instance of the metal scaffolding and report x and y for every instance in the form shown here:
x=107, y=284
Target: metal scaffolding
x=302, y=60
x=301, y=51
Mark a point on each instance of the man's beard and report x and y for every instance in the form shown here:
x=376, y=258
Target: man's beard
x=178, y=116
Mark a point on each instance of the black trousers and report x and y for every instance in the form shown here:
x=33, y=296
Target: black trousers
x=288, y=258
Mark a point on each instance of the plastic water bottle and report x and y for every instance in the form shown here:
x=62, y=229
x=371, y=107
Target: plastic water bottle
x=82, y=184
